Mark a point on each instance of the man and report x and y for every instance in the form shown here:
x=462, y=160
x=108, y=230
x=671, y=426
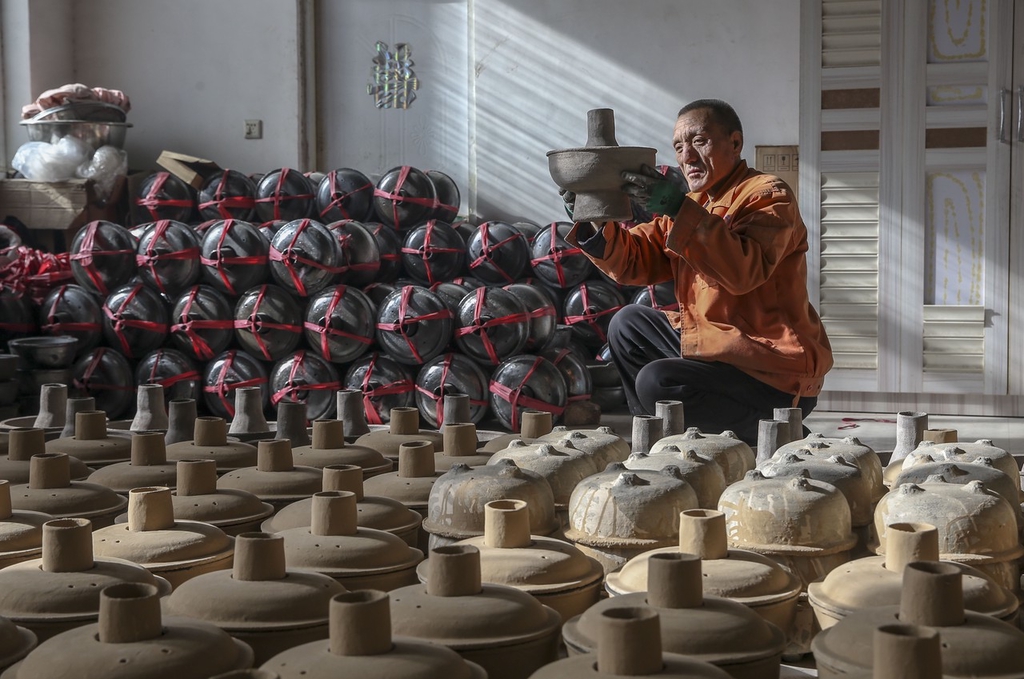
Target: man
x=746, y=339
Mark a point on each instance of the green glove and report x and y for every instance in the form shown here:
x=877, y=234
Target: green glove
x=658, y=193
x=568, y=201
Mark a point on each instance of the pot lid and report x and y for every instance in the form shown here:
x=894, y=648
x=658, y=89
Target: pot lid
x=747, y=577
x=407, y=659
x=963, y=451
x=381, y=513
x=866, y=583
x=229, y=457
x=30, y=594
x=79, y=499
x=719, y=631
x=585, y=667
x=296, y=483
x=368, y=458
x=387, y=444
x=703, y=474
x=294, y=601
x=97, y=452
x=16, y=471
x=443, y=462
x=560, y=462
x=848, y=447
x=15, y=642
x=411, y=491
x=223, y=508
x=121, y=477
x=184, y=542
x=501, y=442
x=836, y=470
x=735, y=456
x=367, y=552
x=22, y=531
x=603, y=443
x=962, y=472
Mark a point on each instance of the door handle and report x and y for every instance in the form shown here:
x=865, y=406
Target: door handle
x=1004, y=95
x=1020, y=113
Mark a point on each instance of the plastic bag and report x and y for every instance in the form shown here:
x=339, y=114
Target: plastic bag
x=106, y=165
x=26, y=151
x=53, y=162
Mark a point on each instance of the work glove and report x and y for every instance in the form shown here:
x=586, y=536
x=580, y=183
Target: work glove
x=568, y=201
x=659, y=193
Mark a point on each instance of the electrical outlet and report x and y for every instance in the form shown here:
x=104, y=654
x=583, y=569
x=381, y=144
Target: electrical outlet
x=254, y=129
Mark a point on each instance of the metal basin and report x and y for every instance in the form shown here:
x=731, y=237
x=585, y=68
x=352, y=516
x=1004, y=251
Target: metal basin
x=45, y=352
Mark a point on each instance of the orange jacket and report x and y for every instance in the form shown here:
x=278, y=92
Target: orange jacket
x=740, y=277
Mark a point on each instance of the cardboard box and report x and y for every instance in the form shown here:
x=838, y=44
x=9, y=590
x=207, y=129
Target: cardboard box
x=190, y=169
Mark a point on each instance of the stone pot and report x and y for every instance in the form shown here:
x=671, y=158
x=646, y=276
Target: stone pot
x=504, y=630
x=552, y=571
x=21, y=535
x=708, y=628
x=561, y=464
x=328, y=447
x=735, y=457
x=759, y=583
x=358, y=558
x=619, y=513
x=849, y=448
x=453, y=509
x=877, y=581
x=51, y=490
x=61, y=590
x=209, y=441
x=154, y=539
x=148, y=466
x=960, y=453
x=535, y=424
x=15, y=643
x=593, y=172
x=92, y=442
x=23, y=443
x=973, y=645
x=361, y=645
x=259, y=601
x=976, y=526
x=131, y=640
x=459, y=446
x=275, y=479
x=703, y=474
x=372, y=511
x=403, y=427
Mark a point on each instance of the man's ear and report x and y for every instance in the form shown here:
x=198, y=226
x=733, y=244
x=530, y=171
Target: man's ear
x=737, y=141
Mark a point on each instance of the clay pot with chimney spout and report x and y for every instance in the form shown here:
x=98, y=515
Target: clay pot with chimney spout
x=51, y=490
x=259, y=601
x=735, y=457
x=404, y=427
x=534, y=424
x=25, y=442
x=459, y=441
x=210, y=442
x=61, y=590
x=148, y=466
x=92, y=444
x=154, y=539
x=15, y=643
x=372, y=511
x=412, y=482
x=21, y=534
x=275, y=479
x=358, y=558
x=328, y=447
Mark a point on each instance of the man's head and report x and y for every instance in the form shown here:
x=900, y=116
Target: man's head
x=708, y=140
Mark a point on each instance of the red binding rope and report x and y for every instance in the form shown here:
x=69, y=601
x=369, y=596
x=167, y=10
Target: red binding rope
x=53, y=324
x=386, y=256
x=190, y=327
x=326, y=331
x=338, y=197
x=660, y=307
x=515, y=397
x=406, y=320
x=292, y=388
x=219, y=261
x=256, y=325
x=225, y=203
x=171, y=380
x=427, y=249
x=590, y=318
x=370, y=393
x=289, y=258
x=87, y=386
x=439, y=398
x=486, y=250
x=152, y=200
x=396, y=196
x=562, y=353
x=277, y=197
x=150, y=259
x=86, y=256
x=222, y=387
x=556, y=255
x=119, y=322
x=484, y=326
x=344, y=238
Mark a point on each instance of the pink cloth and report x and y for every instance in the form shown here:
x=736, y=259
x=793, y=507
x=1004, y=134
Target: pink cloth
x=66, y=94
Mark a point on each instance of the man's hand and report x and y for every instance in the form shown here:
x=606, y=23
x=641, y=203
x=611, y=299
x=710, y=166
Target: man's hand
x=568, y=201
x=658, y=193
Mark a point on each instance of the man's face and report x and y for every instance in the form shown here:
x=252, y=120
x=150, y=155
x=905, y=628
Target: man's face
x=706, y=153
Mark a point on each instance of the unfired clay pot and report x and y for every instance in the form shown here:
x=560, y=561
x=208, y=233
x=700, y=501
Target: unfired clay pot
x=361, y=645
x=259, y=601
x=404, y=427
x=458, y=441
x=21, y=532
x=210, y=442
x=372, y=511
x=197, y=498
x=960, y=473
x=92, y=443
x=534, y=424
x=603, y=443
x=152, y=538
x=877, y=581
x=411, y=484
x=352, y=413
x=51, y=490
x=275, y=479
x=358, y=558
x=619, y=513
x=23, y=444
x=560, y=463
x=148, y=466
x=132, y=641
x=708, y=628
x=961, y=453
x=15, y=643
x=61, y=590
x=849, y=448
x=976, y=526
x=763, y=585
x=552, y=571
x=735, y=457
x=75, y=406
x=594, y=172
x=703, y=474
x=53, y=403
x=150, y=413
x=453, y=511
x=973, y=645
x=328, y=448
x=181, y=420
x=504, y=630
x=629, y=644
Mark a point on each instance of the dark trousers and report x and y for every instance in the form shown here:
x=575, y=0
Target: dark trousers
x=717, y=396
